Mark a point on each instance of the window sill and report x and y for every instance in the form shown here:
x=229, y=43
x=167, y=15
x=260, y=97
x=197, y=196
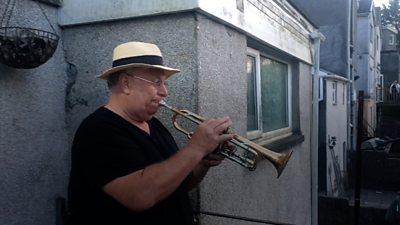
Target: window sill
x=285, y=143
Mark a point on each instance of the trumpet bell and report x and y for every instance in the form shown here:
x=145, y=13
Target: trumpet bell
x=281, y=162
x=278, y=160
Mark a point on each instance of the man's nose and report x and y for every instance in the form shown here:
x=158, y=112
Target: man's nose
x=163, y=90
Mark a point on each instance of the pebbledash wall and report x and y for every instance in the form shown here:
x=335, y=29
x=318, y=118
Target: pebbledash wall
x=33, y=139
x=41, y=108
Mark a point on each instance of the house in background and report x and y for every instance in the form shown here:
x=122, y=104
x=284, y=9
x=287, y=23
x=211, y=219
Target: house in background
x=332, y=133
x=336, y=21
x=369, y=67
x=249, y=59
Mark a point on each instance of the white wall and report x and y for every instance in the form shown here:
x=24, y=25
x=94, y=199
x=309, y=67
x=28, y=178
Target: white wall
x=335, y=127
x=264, y=20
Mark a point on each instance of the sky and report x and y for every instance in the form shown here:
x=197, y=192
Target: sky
x=381, y=3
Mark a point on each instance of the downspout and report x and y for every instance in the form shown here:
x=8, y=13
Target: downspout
x=350, y=48
x=316, y=38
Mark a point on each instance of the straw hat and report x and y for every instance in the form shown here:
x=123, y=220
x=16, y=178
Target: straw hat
x=137, y=54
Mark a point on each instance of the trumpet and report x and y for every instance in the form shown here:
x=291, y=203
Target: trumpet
x=250, y=152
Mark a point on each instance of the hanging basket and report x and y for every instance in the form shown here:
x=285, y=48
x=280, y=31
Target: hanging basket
x=26, y=48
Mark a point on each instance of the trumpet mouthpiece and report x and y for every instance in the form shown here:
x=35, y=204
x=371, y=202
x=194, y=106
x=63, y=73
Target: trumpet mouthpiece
x=163, y=103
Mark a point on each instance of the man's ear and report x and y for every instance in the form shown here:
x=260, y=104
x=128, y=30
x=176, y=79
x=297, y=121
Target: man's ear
x=125, y=84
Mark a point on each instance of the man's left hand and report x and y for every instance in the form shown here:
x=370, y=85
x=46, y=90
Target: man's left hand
x=212, y=159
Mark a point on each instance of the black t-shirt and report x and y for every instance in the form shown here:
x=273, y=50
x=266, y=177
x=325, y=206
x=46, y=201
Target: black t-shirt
x=106, y=147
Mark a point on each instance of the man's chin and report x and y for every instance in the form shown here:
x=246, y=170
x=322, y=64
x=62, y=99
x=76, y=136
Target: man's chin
x=152, y=111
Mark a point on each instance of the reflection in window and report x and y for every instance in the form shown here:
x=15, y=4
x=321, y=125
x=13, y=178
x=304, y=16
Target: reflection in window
x=268, y=91
x=274, y=94
x=252, y=116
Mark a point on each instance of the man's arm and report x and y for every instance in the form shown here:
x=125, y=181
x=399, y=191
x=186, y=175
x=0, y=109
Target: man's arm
x=142, y=189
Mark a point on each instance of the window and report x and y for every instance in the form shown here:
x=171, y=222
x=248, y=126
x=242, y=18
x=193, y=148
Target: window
x=344, y=94
x=334, y=93
x=268, y=96
x=391, y=39
x=371, y=33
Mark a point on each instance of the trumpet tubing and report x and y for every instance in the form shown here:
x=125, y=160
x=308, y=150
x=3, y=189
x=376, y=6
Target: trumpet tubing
x=251, y=151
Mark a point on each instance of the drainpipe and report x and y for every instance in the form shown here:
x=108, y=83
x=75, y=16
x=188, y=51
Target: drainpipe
x=350, y=48
x=316, y=38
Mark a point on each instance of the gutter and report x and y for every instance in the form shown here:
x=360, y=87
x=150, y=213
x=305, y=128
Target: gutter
x=335, y=77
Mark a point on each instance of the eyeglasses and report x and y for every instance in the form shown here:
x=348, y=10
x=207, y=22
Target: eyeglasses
x=157, y=83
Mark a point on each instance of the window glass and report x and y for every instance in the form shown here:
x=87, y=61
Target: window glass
x=334, y=93
x=391, y=39
x=268, y=96
x=274, y=94
x=252, y=117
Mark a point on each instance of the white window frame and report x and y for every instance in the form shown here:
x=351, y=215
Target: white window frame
x=275, y=134
x=371, y=33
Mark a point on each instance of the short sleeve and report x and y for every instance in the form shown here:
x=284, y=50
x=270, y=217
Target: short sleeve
x=105, y=151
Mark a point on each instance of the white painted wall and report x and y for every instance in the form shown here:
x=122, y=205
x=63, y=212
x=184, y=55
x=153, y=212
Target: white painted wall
x=335, y=127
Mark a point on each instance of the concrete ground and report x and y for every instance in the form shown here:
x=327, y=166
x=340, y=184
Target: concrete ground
x=340, y=211
x=374, y=198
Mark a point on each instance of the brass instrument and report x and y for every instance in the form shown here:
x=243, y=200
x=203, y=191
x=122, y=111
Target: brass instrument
x=250, y=150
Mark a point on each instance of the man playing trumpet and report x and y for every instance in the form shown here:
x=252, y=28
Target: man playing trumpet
x=126, y=167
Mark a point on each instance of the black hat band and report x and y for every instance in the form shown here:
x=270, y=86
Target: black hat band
x=145, y=59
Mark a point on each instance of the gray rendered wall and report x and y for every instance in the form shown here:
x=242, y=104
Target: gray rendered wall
x=389, y=58
x=363, y=72
x=89, y=50
x=389, y=68
x=231, y=189
x=386, y=33
x=33, y=140
x=363, y=34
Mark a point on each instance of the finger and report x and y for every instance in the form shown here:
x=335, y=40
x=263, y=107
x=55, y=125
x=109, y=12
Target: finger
x=228, y=146
x=222, y=125
x=212, y=162
x=215, y=156
x=226, y=137
x=209, y=163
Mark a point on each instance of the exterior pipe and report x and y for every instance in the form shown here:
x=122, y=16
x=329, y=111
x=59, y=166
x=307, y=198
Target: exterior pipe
x=316, y=38
x=350, y=111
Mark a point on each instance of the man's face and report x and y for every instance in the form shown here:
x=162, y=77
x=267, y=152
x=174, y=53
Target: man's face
x=146, y=89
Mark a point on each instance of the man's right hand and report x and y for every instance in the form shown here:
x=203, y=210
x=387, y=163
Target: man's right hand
x=210, y=134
